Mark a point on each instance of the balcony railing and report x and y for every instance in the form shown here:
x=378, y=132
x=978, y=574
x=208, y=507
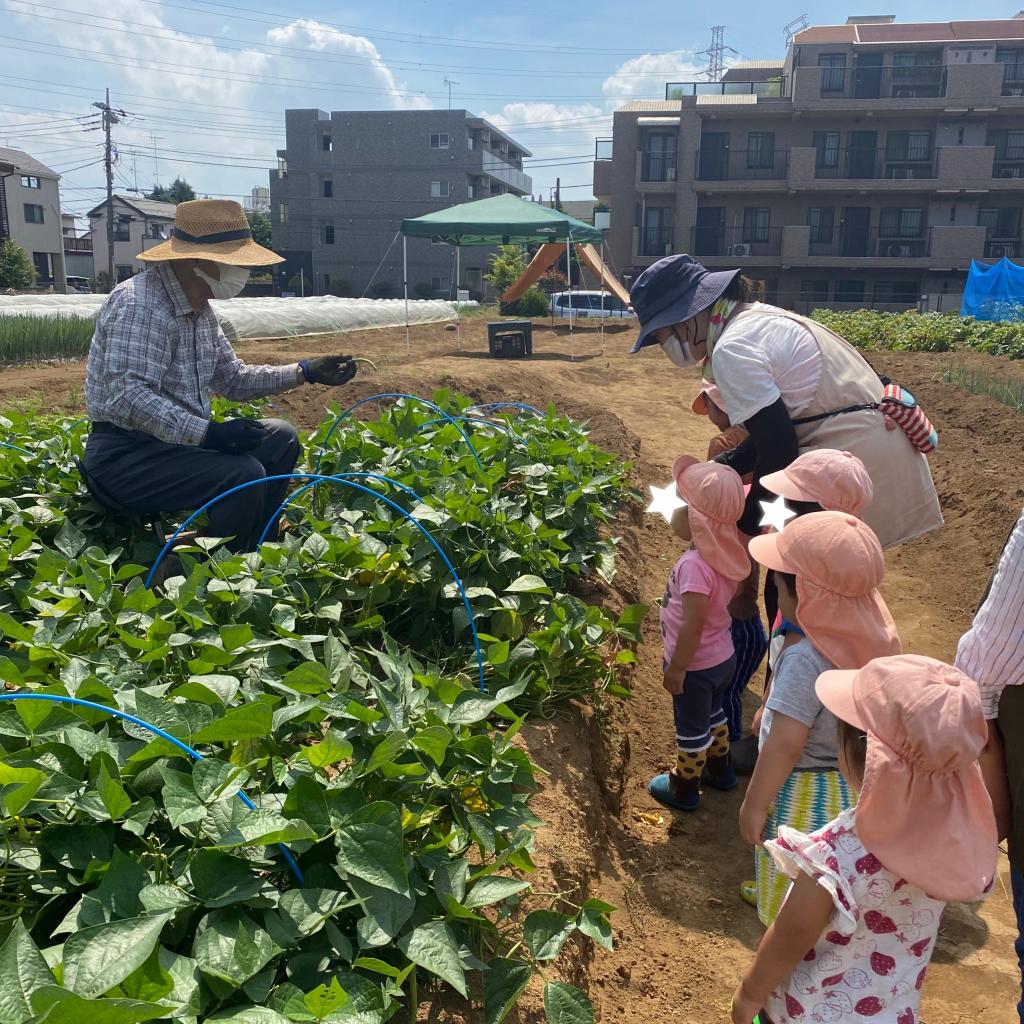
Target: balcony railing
x=82, y=245
x=916, y=81
x=657, y=166
x=997, y=248
x=1013, y=79
x=655, y=242
x=737, y=242
x=774, y=89
x=742, y=165
x=868, y=243
x=876, y=163
x=1008, y=167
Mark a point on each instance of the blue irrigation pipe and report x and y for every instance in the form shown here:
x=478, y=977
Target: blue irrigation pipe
x=315, y=478
x=507, y=405
x=411, y=398
x=15, y=448
x=183, y=747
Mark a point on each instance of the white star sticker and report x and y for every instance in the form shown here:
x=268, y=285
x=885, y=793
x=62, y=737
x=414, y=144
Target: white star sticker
x=776, y=514
x=665, y=500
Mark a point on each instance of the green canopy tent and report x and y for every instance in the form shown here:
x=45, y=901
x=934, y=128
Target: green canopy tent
x=500, y=220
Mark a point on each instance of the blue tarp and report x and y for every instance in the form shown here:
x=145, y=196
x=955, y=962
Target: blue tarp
x=994, y=291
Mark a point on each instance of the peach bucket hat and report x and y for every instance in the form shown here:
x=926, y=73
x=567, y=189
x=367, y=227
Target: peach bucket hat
x=714, y=496
x=839, y=566
x=923, y=810
x=837, y=481
x=708, y=392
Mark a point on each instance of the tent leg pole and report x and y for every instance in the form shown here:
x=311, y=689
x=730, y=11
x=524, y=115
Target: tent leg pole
x=602, y=296
x=568, y=283
x=405, y=288
x=458, y=308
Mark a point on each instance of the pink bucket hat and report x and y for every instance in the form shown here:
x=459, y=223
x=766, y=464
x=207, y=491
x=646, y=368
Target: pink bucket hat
x=839, y=566
x=923, y=810
x=715, y=498
x=837, y=481
x=708, y=391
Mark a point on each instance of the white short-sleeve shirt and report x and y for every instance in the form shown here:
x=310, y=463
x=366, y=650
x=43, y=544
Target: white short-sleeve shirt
x=760, y=359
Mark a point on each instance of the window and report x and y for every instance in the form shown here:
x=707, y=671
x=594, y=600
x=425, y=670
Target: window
x=123, y=229
x=659, y=163
x=328, y=188
x=814, y=291
x=41, y=260
x=1002, y=222
x=33, y=213
x=917, y=73
x=326, y=143
x=901, y=222
x=440, y=140
x=282, y=213
x=282, y=167
x=833, y=71
x=28, y=181
x=850, y=291
x=826, y=149
x=439, y=283
x=157, y=231
x=761, y=149
x=903, y=292
x=327, y=284
x=1012, y=60
x=909, y=146
x=1009, y=145
x=439, y=189
x=656, y=231
x=756, y=223
x=328, y=234
x=821, y=220
x=123, y=271
x=470, y=191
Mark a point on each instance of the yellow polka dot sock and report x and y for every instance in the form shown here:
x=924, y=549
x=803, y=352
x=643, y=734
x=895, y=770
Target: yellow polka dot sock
x=690, y=763
x=719, y=741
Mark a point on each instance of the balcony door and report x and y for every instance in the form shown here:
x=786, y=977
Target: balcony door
x=714, y=156
x=709, y=233
x=862, y=154
x=867, y=76
x=660, y=157
x=856, y=230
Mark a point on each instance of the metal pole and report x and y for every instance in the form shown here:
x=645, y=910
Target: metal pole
x=108, y=161
x=458, y=307
x=568, y=282
x=405, y=286
x=602, y=296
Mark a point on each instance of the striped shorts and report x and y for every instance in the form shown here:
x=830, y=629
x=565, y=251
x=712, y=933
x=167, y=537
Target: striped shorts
x=809, y=799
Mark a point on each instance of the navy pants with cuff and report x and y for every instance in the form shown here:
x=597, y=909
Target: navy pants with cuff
x=145, y=474
x=751, y=644
x=698, y=709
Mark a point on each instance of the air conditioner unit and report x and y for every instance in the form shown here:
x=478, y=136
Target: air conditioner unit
x=897, y=249
x=739, y=249
x=1009, y=172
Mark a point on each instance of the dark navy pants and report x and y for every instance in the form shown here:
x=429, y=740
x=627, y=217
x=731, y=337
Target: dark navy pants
x=751, y=644
x=145, y=474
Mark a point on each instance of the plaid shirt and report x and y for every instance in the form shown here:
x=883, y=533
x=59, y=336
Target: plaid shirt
x=154, y=362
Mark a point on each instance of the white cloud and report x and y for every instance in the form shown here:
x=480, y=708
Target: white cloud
x=645, y=76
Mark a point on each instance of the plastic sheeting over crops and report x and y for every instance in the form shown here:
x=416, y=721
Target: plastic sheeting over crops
x=263, y=317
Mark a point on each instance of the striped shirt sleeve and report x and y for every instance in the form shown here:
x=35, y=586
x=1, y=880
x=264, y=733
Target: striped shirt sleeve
x=991, y=652
x=239, y=381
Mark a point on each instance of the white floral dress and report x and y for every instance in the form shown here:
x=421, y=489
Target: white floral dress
x=870, y=961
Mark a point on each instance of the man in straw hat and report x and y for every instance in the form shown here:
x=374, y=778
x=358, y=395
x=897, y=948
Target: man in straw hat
x=158, y=353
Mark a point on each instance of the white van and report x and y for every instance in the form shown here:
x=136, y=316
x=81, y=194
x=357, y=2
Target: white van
x=590, y=304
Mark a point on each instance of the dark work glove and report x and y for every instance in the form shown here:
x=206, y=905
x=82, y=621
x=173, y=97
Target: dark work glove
x=332, y=370
x=233, y=437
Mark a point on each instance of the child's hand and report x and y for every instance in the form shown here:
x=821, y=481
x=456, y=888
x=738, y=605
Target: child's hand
x=672, y=680
x=742, y=1010
x=755, y=725
x=752, y=821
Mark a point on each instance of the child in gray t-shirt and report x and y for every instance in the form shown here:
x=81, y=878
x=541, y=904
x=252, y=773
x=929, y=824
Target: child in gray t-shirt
x=797, y=781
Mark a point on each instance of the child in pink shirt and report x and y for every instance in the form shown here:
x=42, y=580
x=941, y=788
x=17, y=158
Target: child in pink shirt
x=699, y=660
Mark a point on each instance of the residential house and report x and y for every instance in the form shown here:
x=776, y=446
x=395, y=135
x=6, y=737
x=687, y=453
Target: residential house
x=30, y=214
x=139, y=224
x=77, y=249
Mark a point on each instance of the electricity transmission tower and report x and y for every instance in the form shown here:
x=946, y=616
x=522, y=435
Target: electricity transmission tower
x=715, y=54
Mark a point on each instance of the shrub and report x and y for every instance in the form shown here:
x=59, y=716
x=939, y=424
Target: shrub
x=506, y=267
x=552, y=282
x=16, y=269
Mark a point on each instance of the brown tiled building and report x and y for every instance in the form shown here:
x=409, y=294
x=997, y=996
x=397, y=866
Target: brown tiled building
x=867, y=168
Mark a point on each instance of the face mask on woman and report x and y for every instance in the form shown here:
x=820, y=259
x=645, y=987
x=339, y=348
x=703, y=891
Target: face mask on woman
x=679, y=351
x=232, y=281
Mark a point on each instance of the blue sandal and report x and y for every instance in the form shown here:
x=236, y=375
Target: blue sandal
x=672, y=791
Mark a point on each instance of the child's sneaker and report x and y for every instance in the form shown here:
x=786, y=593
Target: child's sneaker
x=672, y=791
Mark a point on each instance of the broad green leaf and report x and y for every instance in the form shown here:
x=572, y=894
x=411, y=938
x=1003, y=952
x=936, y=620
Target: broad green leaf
x=545, y=932
x=98, y=958
x=593, y=922
x=433, y=741
x=306, y=909
x=262, y=828
x=371, y=846
x=330, y=750
x=235, y=636
x=54, y=1005
x=309, y=677
x=386, y=912
x=181, y=802
x=528, y=584
x=371, y=963
x=69, y=539
x=493, y=889
x=435, y=948
x=504, y=982
x=325, y=999
x=22, y=972
x=149, y=982
x=24, y=783
x=163, y=897
x=217, y=780
x=221, y=880
x=564, y=1004
x=111, y=792
x=471, y=708
x=385, y=751
x=233, y=948
x=497, y=654
x=248, y=721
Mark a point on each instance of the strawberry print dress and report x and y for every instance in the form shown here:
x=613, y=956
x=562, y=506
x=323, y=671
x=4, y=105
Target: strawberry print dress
x=869, y=964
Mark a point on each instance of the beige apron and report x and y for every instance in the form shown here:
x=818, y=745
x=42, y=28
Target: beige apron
x=905, y=504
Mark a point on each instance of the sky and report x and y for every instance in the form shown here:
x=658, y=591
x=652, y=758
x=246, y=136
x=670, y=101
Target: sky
x=204, y=84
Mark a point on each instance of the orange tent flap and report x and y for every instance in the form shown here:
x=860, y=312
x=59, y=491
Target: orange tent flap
x=588, y=255
x=542, y=260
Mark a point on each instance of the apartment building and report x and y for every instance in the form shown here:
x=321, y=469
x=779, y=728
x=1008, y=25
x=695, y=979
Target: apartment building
x=346, y=181
x=867, y=167
x=139, y=224
x=30, y=214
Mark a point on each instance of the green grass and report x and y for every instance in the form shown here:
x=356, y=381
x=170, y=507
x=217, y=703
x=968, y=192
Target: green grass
x=26, y=339
x=1003, y=389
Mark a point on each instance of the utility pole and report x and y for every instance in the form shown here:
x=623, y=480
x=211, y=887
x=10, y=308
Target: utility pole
x=109, y=119
x=558, y=193
x=449, y=83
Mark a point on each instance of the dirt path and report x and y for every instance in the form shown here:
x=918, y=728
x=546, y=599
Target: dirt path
x=682, y=935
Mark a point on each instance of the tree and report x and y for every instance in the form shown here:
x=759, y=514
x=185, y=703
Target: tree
x=507, y=266
x=179, y=191
x=259, y=225
x=16, y=269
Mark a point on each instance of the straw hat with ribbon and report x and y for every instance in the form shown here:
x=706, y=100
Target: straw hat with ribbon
x=211, y=229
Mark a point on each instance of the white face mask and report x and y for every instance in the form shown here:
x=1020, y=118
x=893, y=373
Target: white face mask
x=679, y=351
x=232, y=281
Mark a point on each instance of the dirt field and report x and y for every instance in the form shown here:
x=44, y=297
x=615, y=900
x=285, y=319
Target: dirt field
x=682, y=935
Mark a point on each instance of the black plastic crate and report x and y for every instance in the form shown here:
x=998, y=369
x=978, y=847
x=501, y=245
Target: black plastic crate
x=510, y=339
